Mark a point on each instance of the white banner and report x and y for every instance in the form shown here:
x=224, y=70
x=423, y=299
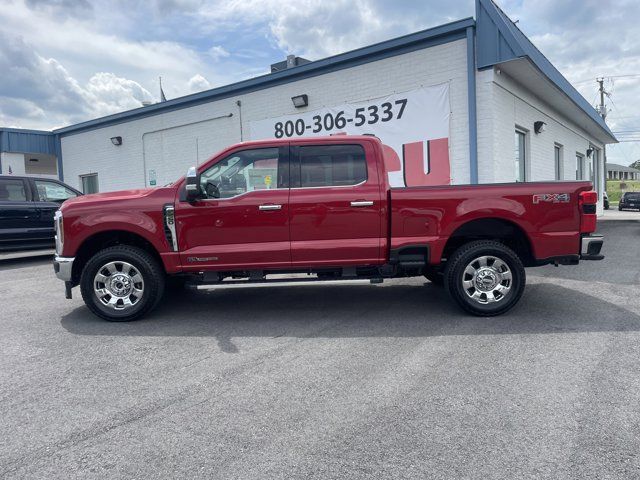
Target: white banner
x=414, y=124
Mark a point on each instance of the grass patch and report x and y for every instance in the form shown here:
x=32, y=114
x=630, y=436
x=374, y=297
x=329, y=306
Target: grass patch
x=615, y=188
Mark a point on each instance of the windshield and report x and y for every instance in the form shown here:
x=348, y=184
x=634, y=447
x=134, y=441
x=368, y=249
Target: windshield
x=632, y=196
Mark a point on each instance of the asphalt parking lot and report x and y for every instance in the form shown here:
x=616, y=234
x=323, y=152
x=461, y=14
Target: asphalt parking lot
x=326, y=381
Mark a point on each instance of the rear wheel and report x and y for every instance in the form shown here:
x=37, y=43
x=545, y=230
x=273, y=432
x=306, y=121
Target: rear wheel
x=485, y=278
x=122, y=283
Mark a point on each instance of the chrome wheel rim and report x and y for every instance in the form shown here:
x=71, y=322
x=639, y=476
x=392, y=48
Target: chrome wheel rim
x=487, y=279
x=118, y=285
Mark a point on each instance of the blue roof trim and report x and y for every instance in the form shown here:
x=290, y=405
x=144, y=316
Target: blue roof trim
x=27, y=141
x=500, y=40
x=397, y=46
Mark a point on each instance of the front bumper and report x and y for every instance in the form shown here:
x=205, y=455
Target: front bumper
x=590, y=247
x=63, y=266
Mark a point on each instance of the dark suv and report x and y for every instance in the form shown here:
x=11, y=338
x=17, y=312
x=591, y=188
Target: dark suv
x=630, y=200
x=27, y=206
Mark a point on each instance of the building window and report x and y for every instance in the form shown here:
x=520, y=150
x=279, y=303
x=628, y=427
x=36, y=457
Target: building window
x=557, y=159
x=579, y=166
x=89, y=183
x=521, y=156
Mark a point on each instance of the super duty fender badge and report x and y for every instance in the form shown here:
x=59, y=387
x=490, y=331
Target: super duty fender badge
x=202, y=259
x=551, y=198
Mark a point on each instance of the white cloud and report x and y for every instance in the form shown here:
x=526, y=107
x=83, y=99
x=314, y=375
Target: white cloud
x=217, y=52
x=197, y=44
x=34, y=87
x=106, y=93
x=198, y=83
x=316, y=28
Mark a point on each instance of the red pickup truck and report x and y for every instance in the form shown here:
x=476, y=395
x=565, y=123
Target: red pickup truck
x=323, y=207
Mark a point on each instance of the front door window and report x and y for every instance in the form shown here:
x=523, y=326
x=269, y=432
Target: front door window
x=242, y=172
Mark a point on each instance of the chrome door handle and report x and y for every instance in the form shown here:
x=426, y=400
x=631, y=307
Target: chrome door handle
x=362, y=203
x=269, y=206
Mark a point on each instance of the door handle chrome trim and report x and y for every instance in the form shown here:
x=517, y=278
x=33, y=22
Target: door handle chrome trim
x=269, y=207
x=362, y=203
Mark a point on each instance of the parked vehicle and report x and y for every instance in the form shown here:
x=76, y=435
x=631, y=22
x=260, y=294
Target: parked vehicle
x=322, y=206
x=629, y=200
x=27, y=207
x=605, y=200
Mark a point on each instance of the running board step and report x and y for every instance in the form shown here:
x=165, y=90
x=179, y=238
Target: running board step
x=204, y=282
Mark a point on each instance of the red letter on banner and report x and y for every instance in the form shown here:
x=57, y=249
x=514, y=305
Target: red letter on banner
x=439, y=169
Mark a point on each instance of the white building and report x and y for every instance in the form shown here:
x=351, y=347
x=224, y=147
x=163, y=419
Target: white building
x=620, y=172
x=483, y=105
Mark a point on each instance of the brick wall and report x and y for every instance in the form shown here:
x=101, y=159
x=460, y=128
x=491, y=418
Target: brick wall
x=171, y=142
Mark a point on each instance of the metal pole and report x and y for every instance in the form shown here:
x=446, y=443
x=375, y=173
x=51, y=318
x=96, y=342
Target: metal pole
x=603, y=114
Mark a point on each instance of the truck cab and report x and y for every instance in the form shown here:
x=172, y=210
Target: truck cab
x=322, y=207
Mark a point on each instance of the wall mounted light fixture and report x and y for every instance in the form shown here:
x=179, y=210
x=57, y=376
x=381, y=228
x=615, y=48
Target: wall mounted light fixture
x=590, y=152
x=300, y=101
x=117, y=141
x=539, y=127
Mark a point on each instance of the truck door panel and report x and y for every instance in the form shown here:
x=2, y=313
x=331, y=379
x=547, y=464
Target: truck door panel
x=244, y=221
x=18, y=214
x=335, y=206
x=48, y=195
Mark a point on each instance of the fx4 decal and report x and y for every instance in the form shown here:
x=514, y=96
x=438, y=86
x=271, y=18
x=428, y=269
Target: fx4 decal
x=551, y=198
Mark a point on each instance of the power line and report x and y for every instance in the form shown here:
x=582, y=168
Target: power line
x=608, y=77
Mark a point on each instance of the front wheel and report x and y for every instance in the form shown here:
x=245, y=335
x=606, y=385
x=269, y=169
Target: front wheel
x=485, y=278
x=122, y=283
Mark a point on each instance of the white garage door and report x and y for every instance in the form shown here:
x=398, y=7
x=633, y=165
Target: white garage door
x=170, y=152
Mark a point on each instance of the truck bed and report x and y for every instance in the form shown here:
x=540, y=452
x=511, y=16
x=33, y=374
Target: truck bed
x=547, y=212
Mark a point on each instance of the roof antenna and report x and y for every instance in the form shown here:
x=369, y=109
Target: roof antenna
x=162, y=97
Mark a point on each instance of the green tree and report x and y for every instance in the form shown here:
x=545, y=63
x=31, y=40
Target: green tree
x=635, y=164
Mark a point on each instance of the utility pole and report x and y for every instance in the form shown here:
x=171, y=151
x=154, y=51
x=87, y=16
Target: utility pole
x=603, y=114
x=602, y=109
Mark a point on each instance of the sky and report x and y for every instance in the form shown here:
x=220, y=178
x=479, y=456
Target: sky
x=66, y=61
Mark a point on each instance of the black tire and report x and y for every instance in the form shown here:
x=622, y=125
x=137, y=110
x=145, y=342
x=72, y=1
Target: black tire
x=619, y=209
x=435, y=276
x=145, y=264
x=455, y=274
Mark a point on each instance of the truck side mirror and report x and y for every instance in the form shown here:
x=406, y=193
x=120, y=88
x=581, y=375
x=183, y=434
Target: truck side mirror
x=192, y=185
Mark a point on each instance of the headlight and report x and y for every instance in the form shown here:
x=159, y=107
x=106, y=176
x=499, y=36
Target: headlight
x=59, y=227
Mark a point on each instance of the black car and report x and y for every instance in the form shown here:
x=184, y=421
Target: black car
x=27, y=206
x=630, y=200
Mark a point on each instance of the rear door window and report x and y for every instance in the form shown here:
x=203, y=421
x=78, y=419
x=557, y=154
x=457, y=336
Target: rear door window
x=13, y=190
x=332, y=165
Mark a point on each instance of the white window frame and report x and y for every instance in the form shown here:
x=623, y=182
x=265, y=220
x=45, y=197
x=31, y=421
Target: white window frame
x=523, y=162
x=87, y=175
x=558, y=160
x=580, y=165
